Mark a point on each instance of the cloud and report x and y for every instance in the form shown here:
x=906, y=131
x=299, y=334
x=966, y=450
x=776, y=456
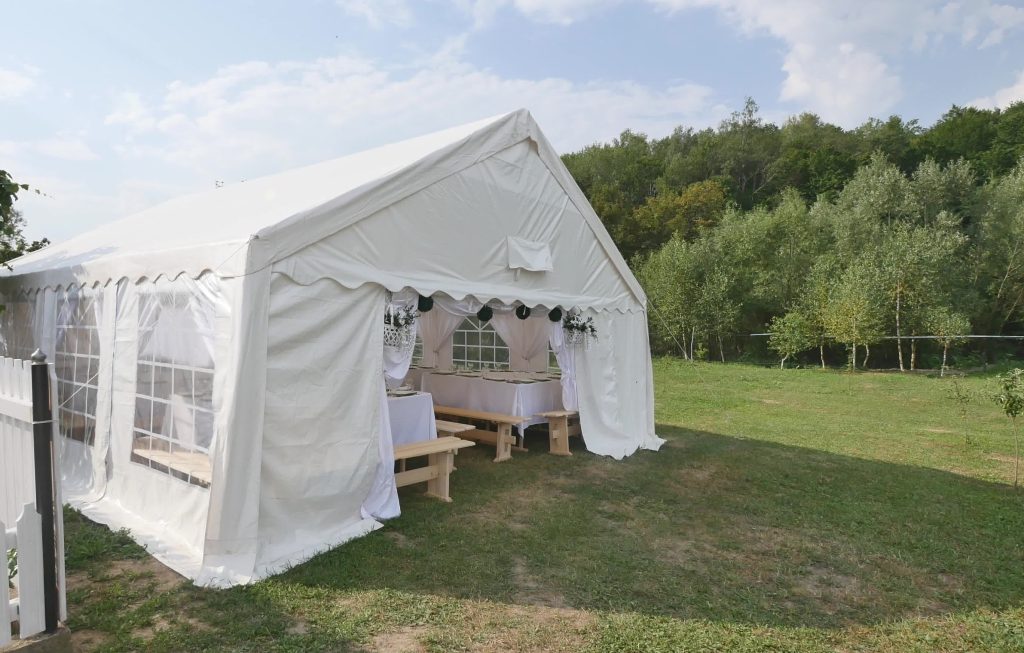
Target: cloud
x=17, y=83
x=838, y=54
x=63, y=147
x=1003, y=97
x=379, y=13
x=66, y=148
x=260, y=117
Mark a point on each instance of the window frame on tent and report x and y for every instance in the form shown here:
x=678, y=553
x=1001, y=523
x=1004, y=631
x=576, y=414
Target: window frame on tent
x=77, y=351
x=471, y=328
x=158, y=378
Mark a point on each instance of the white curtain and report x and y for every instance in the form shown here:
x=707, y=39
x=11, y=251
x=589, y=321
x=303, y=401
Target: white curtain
x=397, y=361
x=437, y=325
x=566, y=356
x=614, y=386
x=382, y=502
x=527, y=340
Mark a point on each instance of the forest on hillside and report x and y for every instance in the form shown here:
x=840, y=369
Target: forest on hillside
x=832, y=240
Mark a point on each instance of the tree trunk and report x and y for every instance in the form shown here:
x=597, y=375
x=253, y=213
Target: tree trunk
x=942, y=370
x=1016, y=453
x=721, y=348
x=867, y=355
x=899, y=342
x=853, y=358
x=913, y=353
x=821, y=352
x=782, y=363
x=693, y=335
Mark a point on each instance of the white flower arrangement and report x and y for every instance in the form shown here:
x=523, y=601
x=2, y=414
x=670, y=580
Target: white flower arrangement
x=578, y=329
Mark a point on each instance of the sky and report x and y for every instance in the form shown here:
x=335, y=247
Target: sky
x=110, y=107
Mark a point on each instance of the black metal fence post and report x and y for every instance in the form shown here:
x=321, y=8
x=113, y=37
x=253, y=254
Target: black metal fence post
x=42, y=431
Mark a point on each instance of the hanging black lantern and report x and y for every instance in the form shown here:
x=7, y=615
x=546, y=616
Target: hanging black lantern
x=485, y=314
x=555, y=315
x=424, y=304
x=522, y=312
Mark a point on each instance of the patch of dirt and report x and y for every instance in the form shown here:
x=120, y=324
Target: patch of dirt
x=529, y=590
x=939, y=430
x=165, y=578
x=830, y=590
x=502, y=628
x=405, y=640
x=509, y=509
x=300, y=627
x=1001, y=457
x=84, y=641
x=160, y=622
x=771, y=402
x=399, y=539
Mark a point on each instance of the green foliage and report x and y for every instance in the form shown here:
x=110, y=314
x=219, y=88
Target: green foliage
x=792, y=333
x=962, y=397
x=1010, y=397
x=732, y=228
x=855, y=309
x=12, y=242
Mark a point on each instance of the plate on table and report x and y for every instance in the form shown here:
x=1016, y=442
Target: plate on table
x=401, y=393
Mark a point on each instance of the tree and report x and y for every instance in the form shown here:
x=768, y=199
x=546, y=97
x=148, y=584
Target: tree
x=1010, y=398
x=854, y=314
x=948, y=327
x=791, y=334
x=12, y=242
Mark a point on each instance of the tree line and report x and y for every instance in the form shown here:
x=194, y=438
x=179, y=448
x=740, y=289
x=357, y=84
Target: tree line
x=832, y=240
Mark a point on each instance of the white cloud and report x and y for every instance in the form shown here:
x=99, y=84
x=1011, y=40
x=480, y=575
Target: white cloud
x=1003, y=97
x=129, y=110
x=66, y=148
x=379, y=12
x=61, y=146
x=837, y=60
x=261, y=117
x=17, y=83
x=838, y=52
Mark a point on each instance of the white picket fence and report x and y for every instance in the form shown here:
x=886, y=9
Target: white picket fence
x=27, y=609
x=17, y=509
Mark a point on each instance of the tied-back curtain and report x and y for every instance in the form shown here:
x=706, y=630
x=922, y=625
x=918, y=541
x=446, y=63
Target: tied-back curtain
x=436, y=328
x=398, y=359
x=566, y=356
x=527, y=341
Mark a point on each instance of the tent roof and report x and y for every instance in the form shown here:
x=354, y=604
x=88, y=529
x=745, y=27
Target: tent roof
x=246, y=226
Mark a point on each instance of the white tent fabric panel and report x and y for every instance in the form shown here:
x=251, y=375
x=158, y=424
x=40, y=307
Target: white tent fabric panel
x=451, y=237
x=615, y=388
x=322, y=417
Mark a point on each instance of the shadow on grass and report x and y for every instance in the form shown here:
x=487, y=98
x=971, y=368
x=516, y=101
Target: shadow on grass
x=711, y=527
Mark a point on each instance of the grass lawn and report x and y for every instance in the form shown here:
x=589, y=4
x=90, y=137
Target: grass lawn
x=801, y=510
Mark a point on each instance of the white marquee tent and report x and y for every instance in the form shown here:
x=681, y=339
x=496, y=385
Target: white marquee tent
x=241, y=329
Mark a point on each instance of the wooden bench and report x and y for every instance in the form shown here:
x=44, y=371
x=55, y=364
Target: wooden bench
x=560, y=430
x=452, y=428
x=501, y=437
x=440, y=456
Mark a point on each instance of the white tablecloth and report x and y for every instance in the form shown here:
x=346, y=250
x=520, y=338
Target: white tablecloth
x=412, y=419
x=495, y=396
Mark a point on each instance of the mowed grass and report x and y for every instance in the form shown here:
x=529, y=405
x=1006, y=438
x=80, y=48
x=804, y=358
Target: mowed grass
x=797, y=510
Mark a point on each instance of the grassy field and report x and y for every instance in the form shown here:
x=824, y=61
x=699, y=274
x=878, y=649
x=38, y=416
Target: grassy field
x=797, y=510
